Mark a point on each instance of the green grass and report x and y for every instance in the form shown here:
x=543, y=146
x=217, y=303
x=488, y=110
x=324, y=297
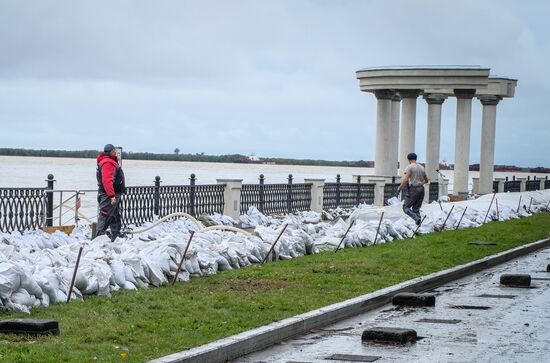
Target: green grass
x=136, y=326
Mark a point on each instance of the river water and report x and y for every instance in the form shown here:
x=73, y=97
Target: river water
x=74, y=173
x=79, y=174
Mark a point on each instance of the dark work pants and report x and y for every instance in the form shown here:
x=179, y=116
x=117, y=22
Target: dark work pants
x=413, y=202
x=109, y=217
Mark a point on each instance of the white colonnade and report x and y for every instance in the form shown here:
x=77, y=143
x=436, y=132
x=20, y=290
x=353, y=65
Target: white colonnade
x=397, y=89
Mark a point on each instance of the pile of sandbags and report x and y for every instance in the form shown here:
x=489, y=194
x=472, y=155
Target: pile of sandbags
x=36, y=268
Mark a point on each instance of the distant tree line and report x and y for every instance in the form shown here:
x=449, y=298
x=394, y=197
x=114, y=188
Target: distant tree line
x=178, y=156
x=231, y=158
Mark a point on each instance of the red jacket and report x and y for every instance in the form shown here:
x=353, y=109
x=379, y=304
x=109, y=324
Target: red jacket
x=107, y=164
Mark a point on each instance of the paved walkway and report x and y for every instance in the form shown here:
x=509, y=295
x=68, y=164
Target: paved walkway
x=514, y=328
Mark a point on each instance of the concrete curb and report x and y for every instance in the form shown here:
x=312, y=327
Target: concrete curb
x=256, y=339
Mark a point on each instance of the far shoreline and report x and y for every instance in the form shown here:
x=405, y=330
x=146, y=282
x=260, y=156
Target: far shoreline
x=234, y=159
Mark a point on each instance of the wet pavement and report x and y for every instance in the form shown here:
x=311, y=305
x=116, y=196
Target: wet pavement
x=474, y=320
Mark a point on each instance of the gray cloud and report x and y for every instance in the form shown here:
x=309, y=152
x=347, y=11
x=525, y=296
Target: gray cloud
x=272, y=77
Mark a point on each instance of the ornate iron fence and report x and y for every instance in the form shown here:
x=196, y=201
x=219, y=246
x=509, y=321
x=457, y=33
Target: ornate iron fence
x=137, y=205
x=22, y=209
x=547, y=183
x=512, y=185
x=433, y=192
x=143, y=204
x=252, y=195
x=495, y=186
x=532, y=185
x=276, y=198
x=347, y=195
x=390, y=190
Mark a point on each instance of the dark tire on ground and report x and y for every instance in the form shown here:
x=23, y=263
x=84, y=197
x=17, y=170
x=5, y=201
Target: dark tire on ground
x=389, y=335
x=412, y=299
x=515, y=280
x=29, y=326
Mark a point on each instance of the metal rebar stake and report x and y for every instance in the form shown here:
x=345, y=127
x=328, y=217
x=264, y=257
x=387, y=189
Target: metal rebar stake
x=183, y=257
x=345, y=234
x=274, y=243
x=448, y=215
x=490, y=205
x=74, y=274
x=378, y=229
x=417, y=228
x=462, y=216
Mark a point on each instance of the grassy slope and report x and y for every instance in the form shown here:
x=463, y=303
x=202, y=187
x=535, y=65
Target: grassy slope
x=135, y=326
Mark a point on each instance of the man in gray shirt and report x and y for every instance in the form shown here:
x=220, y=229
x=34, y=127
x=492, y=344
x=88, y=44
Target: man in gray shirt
x=413, y=181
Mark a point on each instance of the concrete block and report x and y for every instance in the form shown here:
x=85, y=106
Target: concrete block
x=515, y=280
x=389, y=335
x=412, y=299
x=29, y=326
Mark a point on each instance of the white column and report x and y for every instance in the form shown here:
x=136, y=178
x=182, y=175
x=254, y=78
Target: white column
x=408, y=126
x=394, y=145
x=383, y=165
x=487, y=157
x=434, y=134
x=462, y=140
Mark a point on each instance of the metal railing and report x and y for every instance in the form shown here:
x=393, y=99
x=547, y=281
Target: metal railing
x=276, y=198
x=22, y=209
x=390, y=190
x=347, y=195
x=532, y=185
x=143, y=203
x=512, y=185
x=433, y=192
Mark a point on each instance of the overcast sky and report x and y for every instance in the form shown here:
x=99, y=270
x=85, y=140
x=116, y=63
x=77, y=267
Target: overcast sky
x=276, y=78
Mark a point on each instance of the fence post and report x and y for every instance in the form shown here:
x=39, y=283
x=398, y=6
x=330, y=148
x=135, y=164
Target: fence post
x=231, y=197
x=500, y=185
x=262, y=193
x=337, y=190
x=156, y=197
x=192, y=195
x=541, y=186
x=378, y=189
x=523, y=184
x=475, y=185
x=49, y=200
x=358, y=198
x=317, y=187
x=289, y=194
x=444, y=188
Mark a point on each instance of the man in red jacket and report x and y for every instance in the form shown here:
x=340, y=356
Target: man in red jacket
x=110, y=182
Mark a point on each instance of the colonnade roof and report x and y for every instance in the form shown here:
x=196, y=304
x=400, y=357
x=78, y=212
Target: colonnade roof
x=435, y=79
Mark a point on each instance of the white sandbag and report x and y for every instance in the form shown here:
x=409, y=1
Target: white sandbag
x=22, y=297
x=10, y=279
x=29, y=284
x=118, y=272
